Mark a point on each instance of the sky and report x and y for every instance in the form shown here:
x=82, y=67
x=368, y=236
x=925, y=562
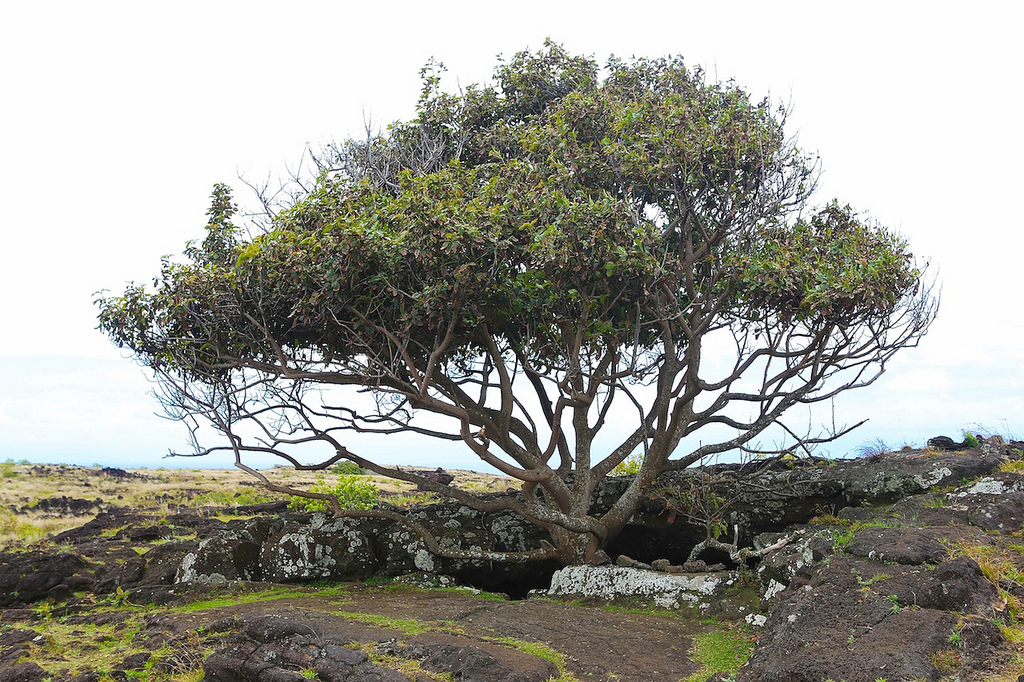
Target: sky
x=118, y=118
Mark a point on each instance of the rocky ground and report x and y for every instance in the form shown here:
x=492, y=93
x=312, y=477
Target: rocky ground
x=903, y=566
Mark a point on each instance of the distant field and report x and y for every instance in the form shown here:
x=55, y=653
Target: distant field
x=38, y=500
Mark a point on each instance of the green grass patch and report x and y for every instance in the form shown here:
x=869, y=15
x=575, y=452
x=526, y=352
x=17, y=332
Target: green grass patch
x=272, y=594
x=540, y=650
x=721, y=651
x=1012, y=466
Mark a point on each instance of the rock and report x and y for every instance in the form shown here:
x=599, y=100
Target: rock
x=775, y=497
x=302, y=548
x=24, y=672
x=29, y=576
x=945, y=443
x=276, y=649
x=899, y=545
x=229, y=554
x=473, y=663
x=627, y=562
x=439, y=475
x=325, y=549
x=14, y=645
x=619, y=583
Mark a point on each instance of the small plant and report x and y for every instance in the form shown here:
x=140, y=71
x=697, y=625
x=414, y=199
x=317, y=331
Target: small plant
x=936, y=502
x=955, y=638
x=351, y=492
x=970, y=440
x=895, y=600
x=1012, y=466
x=119, y=598
x=946, y=661
x=874, y=449
x=629, y=466
x=347, y=469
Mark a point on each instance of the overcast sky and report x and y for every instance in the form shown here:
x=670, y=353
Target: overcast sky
x=118, y=117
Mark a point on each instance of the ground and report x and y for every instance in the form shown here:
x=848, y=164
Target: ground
x=162, y=631
x=541, y=638
x=904, y=566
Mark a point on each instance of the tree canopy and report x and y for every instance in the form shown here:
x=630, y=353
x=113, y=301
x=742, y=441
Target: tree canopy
x=523, y=260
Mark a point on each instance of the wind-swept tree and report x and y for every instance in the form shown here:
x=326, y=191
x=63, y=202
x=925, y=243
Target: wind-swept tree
x=524, y=263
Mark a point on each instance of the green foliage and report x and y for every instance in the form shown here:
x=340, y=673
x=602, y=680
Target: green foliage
x=532, y=219
x=629, y=466
x=7, y=469
x=970, y=440
x=352, y=492
x=347, y=469
x=955, y=638
x=584, y=228
x=721, y=651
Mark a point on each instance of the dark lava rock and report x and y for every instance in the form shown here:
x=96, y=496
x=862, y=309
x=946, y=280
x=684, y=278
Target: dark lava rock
x=28, y=576
x=114, y=472
x=278, y=647
x=946, y=443
x=275, y=649
x=301, y=548
x=64, y=505
x=23, y=672
x=472, y=663
x=1005, y=514
x=14, y=643
x=899, y=545
x=439, y=475
x=893, y=619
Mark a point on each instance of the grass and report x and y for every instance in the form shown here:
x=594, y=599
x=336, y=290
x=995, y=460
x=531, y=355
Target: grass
x=265, y=595
x=162, y=492
x=1001, y=562
x=408, y=667
x=721, y=651
x=539, y=650
x=1012, y=466
x=841, y=540
x=79, y=648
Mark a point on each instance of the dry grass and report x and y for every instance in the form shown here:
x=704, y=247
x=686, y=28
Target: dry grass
x=165, y=491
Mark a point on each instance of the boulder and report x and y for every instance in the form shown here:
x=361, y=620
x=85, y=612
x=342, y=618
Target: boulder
x=637, y=585
x=29, y=576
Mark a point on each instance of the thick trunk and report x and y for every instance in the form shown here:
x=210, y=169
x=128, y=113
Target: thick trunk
x=573, y=549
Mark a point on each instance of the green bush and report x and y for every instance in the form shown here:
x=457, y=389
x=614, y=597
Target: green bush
x=970, y=440
x=629, y=466
x=7, y=469
x=351, y=491
x=347, y=469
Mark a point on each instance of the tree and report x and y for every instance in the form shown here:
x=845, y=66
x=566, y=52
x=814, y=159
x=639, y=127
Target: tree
x=524, y=262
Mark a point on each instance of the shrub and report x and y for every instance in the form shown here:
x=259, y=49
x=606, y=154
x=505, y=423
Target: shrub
x=347, y=469
x=970, y=440
x=629, y=466
x=874, y=449
x=351, y=492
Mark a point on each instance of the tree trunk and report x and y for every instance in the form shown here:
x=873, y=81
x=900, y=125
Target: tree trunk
x=574, y=549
